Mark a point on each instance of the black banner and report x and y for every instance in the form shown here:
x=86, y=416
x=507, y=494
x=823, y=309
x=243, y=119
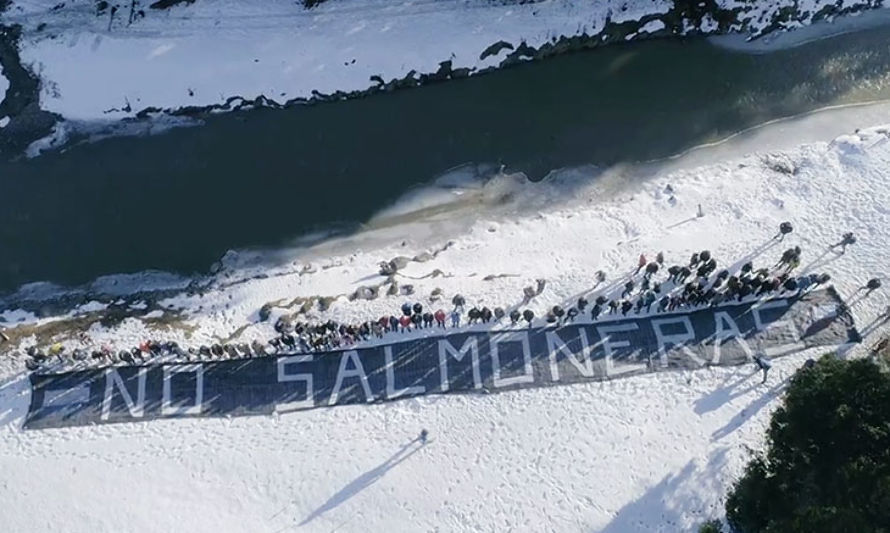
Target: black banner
x=471, y=360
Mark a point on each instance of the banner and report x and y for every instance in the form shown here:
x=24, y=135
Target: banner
x=432, y=362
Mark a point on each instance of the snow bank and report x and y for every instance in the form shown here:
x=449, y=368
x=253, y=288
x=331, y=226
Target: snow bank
x=206, y=52
x=808, y=33
x=653, y=453
x=4, y=84
x=203, y=53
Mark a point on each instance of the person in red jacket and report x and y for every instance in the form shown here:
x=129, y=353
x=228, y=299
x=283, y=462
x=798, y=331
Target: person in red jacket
x=440, y=318
x=405, y=322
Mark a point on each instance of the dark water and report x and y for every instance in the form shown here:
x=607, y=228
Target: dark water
x=178, y=201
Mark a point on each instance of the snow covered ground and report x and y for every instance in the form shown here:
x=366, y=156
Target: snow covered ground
x=650, y=453
x=206, y=52
x=4, y=84
x=201, y=54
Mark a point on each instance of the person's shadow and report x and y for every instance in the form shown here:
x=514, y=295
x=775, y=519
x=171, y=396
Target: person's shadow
x=367, y=479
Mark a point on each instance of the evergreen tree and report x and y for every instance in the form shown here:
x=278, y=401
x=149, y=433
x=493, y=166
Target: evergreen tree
x=827, y=463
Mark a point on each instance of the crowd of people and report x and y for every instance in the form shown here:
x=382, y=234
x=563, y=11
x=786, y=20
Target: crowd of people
x=652, y=288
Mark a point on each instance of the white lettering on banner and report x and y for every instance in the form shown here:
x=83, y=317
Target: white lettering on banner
x=470, y=345
x=391, y=391
x=528, y=372
x=357, y=372
x=679, y=340
x=609, y=346
x=758, y=321
x=722, y=333
x=167, y=407
x=555, y=346
x=112, y=378
x=284, y=377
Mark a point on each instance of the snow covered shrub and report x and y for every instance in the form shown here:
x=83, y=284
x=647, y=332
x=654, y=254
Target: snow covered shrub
x=826, y=467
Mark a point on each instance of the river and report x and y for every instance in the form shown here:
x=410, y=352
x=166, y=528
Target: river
x=178, y=201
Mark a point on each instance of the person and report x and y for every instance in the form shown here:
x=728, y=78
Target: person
x=640, y=264
x=558, y=312
x=405, y=323
x=428, y=319
x=455, y=318
x=417, y=320
x=659, y=258
x=417, y=308
x=651, y=269
x=595, y=311
x=394, y=323
x=787, y=255
x=784, y=229
x=515, y=315
x=763, y=364
x=485, y=315
x=571, y=314
x=704, y=256
x=625, y=307
x=423, y=436
x=674, y=272
x=871, y=285
x=649, y=300
x=600, y=276
x=613, y=306
x=528, y=315
x=440, y=318
x=702, y=271
x=498, y=314
x=693, y=261
x=628, y=288
x=846, y=240
x=406, y=309
x=582, y=304
x=458, y=301
x=744, y=291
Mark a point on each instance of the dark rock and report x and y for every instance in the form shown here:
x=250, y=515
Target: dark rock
x=495, y=49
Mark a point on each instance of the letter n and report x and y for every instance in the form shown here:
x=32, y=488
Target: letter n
x=112, y=379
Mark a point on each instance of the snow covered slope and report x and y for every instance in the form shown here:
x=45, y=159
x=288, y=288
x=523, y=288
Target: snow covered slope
x=652, y=453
